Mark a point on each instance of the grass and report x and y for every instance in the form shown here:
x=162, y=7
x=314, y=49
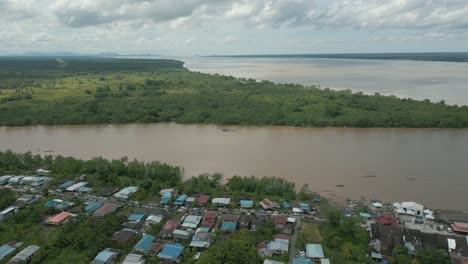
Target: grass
x=309, y=233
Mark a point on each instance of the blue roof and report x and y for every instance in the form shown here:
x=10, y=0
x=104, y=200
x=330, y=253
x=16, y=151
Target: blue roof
x=5, y=250
x=104, y=255
x=51, y=203
x=136, y=217
x=229, y=226
x=302, y=260
x=92, y=207
x=165, y=200
x=365, y=215
x=317, y=199
x=314, y=251
x=145, y=243
x=286, y=204
x=84, y=189
x=304, y=205
x=246, y=203
x=66, y=184
x=181, y=199
x=171, y=251
x=166, y=194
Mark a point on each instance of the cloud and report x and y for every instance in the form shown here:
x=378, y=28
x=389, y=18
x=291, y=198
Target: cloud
x=408, y=14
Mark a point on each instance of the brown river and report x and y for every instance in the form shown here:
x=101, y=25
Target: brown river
x=424, y=165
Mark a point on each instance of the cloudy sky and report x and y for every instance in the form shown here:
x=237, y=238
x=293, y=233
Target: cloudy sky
x=188, y=27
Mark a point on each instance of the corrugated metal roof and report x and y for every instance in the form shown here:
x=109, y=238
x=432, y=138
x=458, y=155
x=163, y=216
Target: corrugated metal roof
x=171, y=251
x=145, y=243
x=314, y=251
x=26, y=253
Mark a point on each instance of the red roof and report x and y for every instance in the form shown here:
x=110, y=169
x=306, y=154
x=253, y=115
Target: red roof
x=203, y=199
x=60, y=217
x=280, y=219
x=460, y=227
x=156, y=248
x=387, y=220
x=170, y=225
x=282, y=237
x=105, y=209
x=208, y=222
x=210, y=215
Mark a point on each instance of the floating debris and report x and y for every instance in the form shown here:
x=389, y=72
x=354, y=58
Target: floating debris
x=340, y=185
x=370, y=176
x=227, y=130
x=48, y=151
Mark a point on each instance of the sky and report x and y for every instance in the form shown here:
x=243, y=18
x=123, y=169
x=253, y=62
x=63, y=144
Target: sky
x=209, y=27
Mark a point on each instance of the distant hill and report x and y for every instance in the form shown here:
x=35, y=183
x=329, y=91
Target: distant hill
x=430, y=56
x=69, y=54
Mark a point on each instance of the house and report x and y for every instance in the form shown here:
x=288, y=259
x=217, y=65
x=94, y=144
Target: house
x=52, y=203
x=26, y=199
x=230, y=217
x=10, y=211
x=43, y=172
x=24, y=255
x=171, y=252
x=181, y=234
x=229, y=226
x=123, y=236
x=4, y=179
x=302, y=260
x=135, y=217
x=416, y=208
x=134, y=259
x=190, y=201
x=168, y=228
x=263, y=250
x=387, y=220
x=93, y=206
x=314, y=252
x=84, y=190
x=64, y=205
x=280, y=245
x=209, y=219
x=76, y=186
x=192, y=221
x=59, y=218
x=180, y=200
x=202, y=200
x=280, y=222
x=461, y=228
x=65, y=185
x=15, y=180
x=105, y=209
x=154, y=219
x=305, y=207
x=107, y=256
x=286, y=205
x=221, y=201
x=165, y=200
x=267, y=204
x=125, y=193
x=9, y=248
x=268, y=261
x=365, y=216
x=202, y=238
x=144, y=244
x=35, y=181
x=246, y=203
x=107, y=191
x=167, y=192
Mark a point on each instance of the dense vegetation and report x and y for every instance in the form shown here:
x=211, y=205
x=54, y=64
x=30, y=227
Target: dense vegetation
x=7, y=197
x=96, y=91
x=427, y=56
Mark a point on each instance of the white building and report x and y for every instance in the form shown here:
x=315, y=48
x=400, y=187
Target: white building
x=76, y=186
x=126, y=192
x=8, y=212
x=221, y=201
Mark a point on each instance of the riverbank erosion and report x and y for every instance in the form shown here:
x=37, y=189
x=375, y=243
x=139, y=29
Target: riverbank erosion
x=76, y=91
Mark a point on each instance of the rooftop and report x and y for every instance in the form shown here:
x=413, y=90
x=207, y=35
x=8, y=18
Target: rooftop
x=136, y=217
x=134, y=259
x=105, y=209
x=170, y=225
x=60, y=217
x=25, y=254
x=203, y=199
x=145, y=243
x=171, y=252
x=229, y=226
x=314, y=251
